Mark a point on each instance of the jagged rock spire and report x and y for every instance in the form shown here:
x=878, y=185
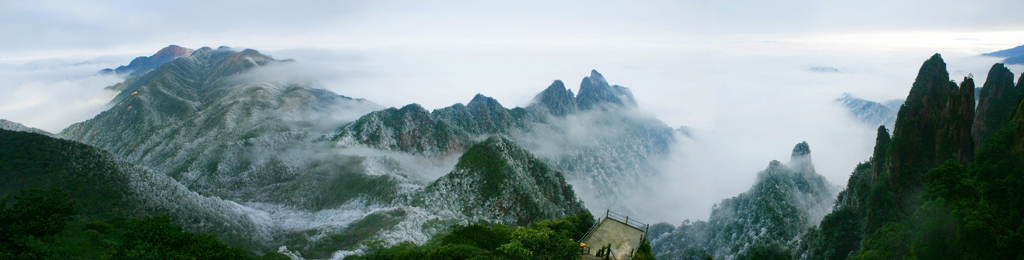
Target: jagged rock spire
x=800, y=160
x=878, y=158
x=594, y=91
x=918, y=120
x=558, y=100
x=490, y=115
x=954, y=136
x=998, y=98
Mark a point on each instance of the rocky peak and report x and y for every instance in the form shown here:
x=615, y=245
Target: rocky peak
x=498, y=180
x=878, y=157
x=172, y=51
x=491, y=116
x=558, y=100
x=595, y=92
x=801, y=150
x=997, y=99
x=800, y=160
x=917, y=123
x=954, y=137
x=143, y=64
x=934, y=125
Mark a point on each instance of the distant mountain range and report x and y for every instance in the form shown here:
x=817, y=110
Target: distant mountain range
x=13, y=126
x=1013, y=55
x=870, y=112
x=288, y=166
x=321, y=173
x=143, y=64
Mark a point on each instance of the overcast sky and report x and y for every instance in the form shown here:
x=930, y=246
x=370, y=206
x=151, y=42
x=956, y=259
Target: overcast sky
x=736, y=72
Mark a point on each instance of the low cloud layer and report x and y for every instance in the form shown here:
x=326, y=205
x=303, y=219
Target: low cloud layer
x=53, y=94
x=737, y=73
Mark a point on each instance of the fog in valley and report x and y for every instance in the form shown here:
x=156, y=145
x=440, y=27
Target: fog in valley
x=746, y=94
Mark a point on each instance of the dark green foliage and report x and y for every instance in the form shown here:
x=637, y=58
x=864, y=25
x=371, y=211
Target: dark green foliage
x=157, y=238
x=840, y=234
x=997, y=99
x=644, y=252
x=35, y=217
x=889, y=242
x=488, y=160
x=459, y=252
x=548, y=239
x=936, y=200
x=506, y=183
x=40, y=224
x=274, y=256
x=771, y=251
x=484, y=237
x=913, y=149
x=85, y=173
x=970, y=211
x=583, y=222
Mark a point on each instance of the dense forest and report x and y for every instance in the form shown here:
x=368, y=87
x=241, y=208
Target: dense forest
x=942, y=187
x=547, y=239
x=945, y=184
x=43, y=224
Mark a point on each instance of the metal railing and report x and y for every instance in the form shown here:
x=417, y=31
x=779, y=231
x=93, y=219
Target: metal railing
x=625, y=220
x=591, y=231
x=608, y=214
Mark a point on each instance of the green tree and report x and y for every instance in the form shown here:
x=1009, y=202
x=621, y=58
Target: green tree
x=156, y=238
x=28, y=227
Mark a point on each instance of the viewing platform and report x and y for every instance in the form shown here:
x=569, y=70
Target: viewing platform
x=615, y=236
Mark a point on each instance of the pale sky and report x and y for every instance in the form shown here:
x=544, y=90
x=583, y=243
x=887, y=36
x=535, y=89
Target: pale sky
x=737, y=72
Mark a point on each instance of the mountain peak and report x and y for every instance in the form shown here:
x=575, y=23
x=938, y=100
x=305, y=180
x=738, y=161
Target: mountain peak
x=800, y=160
x=481, y=100
x=490, y=115
x=801, y=150
x=595, y=92
x=597, y=77
x=143, y=64
x=172, y=51
x=995, y=102
x=558, y=100
x=497, y=179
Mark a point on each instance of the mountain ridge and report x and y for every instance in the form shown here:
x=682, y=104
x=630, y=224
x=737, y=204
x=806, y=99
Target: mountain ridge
x=143, y=64
x=784, y=201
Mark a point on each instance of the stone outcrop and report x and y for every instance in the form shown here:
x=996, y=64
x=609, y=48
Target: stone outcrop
x=998, y=98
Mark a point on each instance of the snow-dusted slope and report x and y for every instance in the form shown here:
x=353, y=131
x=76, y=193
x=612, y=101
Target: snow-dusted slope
x=211, y=123
x=499, y=181
x=14, y=126
x=870, y=112
x=107, y=186
x=784, y=202
x=605, y=147
x=200, y=120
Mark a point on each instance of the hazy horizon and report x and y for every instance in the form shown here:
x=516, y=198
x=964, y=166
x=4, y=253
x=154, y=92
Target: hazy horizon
x=739, y=74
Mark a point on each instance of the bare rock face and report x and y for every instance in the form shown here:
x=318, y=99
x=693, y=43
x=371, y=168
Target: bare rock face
x=878, y=157
x=998, y=98
x=955, y=138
